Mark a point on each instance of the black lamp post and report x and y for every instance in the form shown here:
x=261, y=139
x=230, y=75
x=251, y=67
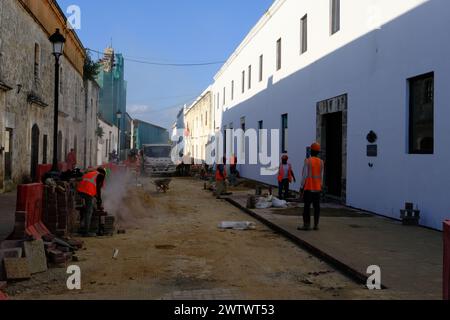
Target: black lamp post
x=57, y=40
x=119, y=117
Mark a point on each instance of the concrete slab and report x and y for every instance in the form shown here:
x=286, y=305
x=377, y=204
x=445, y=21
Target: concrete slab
x=410, y=258
x=35, y=254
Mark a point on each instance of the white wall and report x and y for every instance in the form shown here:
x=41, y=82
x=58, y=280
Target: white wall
x=108, y=143
x=372, y=66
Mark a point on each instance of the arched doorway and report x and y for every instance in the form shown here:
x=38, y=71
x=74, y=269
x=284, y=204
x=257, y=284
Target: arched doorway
x=34, y=151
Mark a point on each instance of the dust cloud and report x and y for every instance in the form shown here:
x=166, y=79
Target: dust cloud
x=124, y=198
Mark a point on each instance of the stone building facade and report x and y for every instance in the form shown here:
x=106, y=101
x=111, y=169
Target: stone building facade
x=26, y=98
x=92, y=91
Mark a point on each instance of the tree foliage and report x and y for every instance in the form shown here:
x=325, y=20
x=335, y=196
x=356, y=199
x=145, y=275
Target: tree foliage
x=91, y=68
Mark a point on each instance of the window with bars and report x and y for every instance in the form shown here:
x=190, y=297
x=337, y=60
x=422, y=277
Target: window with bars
x=37, y=62
x=284, y=133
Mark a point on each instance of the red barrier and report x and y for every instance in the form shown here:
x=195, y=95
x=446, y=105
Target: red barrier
x=41, y=171
x=447, y=260
x=63, y=167
x=30, y=200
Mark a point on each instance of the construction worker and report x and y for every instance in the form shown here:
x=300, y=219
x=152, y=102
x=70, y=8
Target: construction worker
x=311, y=187
x=221, y=176
x=285, y=177
x=233, y=170
x=89, y=188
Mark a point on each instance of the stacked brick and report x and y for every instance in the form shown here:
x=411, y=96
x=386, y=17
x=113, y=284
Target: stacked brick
x=59, y=209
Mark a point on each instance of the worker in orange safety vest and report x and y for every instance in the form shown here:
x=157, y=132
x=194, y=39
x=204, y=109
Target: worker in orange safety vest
x=285, y=177
x=221, y=177
x=89, y=188
x=311, y=187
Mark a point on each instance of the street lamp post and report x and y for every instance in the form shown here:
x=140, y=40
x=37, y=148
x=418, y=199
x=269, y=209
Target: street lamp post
x=119, y=117
x=57, y=40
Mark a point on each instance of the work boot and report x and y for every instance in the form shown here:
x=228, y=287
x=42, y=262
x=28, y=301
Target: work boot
x=316, y=228
x=304, y=228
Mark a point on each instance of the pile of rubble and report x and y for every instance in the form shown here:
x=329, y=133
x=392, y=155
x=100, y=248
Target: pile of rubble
x=21, y=259
x=47, y=243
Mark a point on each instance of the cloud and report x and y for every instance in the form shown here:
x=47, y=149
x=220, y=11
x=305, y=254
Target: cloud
x=138, y=109
x=163, y=117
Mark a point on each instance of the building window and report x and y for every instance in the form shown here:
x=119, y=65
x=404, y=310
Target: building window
x=279, y=54
x=218, y=100
x=224, y=95
x=284, y=133
x=37, y=61
x=261, y=67
x=421, y=114
x=249, y=77
x=44, y=149
x=243, y=81
x=260, y=128
x=335, y=16
x=243, y=128
x=304, y=34
x=232, y=90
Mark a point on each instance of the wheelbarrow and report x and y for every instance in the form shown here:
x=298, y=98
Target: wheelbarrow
x=162, y=185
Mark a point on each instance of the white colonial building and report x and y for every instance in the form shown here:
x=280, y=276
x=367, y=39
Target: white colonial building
x=368, y=80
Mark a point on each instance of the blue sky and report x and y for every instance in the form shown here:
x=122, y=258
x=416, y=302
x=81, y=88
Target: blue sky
x=177, y=31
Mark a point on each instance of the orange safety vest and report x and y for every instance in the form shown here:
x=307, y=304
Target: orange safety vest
x=219, y=176
x=314, y=178
x=89, y=184
x=281, y=173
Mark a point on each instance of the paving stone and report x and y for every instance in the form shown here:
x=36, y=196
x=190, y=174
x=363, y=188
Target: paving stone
x=17, y=268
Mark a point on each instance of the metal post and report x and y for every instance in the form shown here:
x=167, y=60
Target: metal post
x=56, y=116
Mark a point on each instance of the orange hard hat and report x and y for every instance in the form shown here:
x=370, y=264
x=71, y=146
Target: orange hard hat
x=315, y=147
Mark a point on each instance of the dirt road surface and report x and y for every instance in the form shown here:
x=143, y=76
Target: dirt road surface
x=173, y=249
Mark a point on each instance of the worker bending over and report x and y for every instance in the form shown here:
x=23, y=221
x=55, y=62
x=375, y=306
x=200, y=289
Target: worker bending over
x=89, y=188
x=221, y=177
x=285, y=178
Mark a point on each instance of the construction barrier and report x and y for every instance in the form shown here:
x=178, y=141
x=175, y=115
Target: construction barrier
x=447, y=260
x=30, y=200
x=41, y=171
x=63, y=166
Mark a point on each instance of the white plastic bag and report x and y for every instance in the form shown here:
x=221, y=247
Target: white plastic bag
x=237, y=225
x=263, y=204
x=277, y=203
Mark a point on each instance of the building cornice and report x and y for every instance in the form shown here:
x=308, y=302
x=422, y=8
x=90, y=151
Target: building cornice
x=49, y=16
x=253, y=32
